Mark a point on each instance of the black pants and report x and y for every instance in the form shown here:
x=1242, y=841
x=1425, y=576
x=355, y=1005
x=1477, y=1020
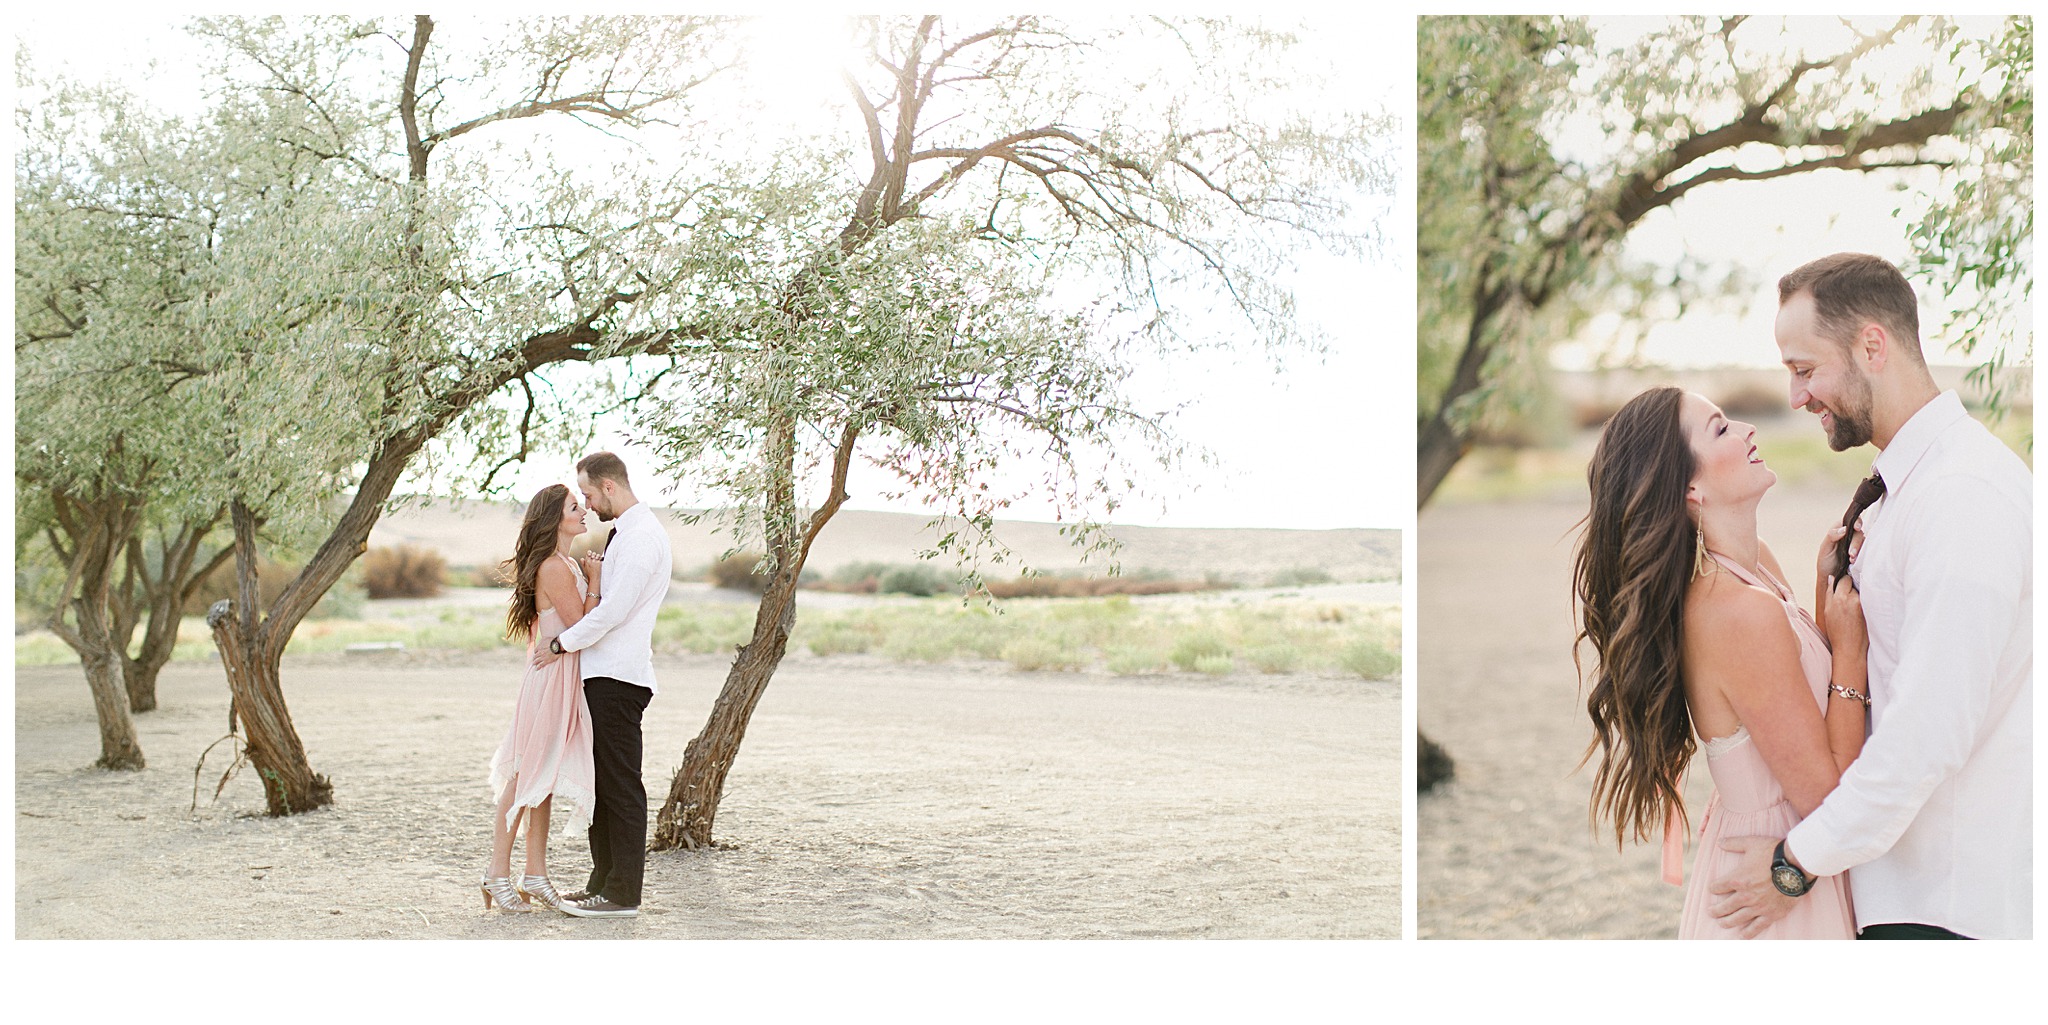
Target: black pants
x=1907, y=931
x=618, y=822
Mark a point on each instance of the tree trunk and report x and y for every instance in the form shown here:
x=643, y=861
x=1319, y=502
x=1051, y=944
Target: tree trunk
x=289, y=783
x=686, y=818
x=139, y=679
x=118, y=747
x=156, y=596
x=87, y=587
x=1438, y=448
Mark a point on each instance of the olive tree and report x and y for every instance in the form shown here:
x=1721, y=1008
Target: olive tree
x=954, y=284
x=371, y=270
x=104, y=250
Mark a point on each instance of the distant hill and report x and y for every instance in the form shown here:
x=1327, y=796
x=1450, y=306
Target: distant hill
x=471, y=533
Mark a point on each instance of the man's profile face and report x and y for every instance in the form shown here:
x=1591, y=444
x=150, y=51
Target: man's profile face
x=594, y=496
x=1826, y=377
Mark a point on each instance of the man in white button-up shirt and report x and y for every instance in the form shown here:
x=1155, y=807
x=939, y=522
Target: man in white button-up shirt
x=1936, y=815
x=617, y=642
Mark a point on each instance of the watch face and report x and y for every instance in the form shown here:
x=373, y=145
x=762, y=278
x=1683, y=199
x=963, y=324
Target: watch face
x=1788, y=880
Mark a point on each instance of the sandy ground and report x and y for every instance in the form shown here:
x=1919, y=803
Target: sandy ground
x=872, y=800
x=1504, y=851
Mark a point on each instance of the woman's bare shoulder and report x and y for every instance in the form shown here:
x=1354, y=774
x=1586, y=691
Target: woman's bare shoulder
x=1737, y=635
x=1721, y=608
x=553, y=571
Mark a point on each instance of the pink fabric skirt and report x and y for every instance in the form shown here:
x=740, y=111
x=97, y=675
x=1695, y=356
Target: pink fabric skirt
x=546, y=751
x=1747, y=802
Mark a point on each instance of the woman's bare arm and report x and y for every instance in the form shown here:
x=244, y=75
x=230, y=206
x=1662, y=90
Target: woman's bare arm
x=1740, y=644
x=558, y=585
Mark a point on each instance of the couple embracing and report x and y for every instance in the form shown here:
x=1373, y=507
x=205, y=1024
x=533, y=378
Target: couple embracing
x=575, y=731
x=1872, y=761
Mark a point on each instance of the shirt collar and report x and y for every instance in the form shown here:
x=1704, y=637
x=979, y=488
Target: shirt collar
x=1915, y=437
x=639, y=510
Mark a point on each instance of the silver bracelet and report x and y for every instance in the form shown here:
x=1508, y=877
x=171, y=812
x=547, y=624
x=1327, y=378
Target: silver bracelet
x=1850, y=694
x=593, y=594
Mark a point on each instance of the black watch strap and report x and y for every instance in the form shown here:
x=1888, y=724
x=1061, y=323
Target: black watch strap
x=555, y=645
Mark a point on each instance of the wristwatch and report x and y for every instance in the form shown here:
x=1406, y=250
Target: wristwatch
x=1786, y=876
x=555, y=646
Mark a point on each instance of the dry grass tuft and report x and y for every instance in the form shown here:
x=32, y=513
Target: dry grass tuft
x=404, y=572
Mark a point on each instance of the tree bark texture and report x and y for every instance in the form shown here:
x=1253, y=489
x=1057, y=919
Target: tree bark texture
x=90, y=630
x=119, y=749
x=154, y=595
x=289, y=783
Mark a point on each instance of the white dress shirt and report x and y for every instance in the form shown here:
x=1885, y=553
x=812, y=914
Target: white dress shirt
x=1936, y=815
x=617, y=637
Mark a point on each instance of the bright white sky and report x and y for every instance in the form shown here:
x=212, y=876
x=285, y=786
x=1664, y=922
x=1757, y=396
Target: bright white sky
x=1323, y=442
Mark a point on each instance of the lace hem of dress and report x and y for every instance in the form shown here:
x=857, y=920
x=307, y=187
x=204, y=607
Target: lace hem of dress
x=1719, y=746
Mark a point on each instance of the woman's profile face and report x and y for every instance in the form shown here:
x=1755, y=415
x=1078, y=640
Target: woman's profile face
x=572, y=515
x=1728, y=466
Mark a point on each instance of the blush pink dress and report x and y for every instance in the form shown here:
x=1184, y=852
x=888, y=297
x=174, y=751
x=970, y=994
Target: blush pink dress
x=1747, y=801
x=547, y=749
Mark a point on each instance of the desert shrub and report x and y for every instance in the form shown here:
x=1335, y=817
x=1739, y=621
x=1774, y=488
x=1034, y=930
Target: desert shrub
x=840, y=638
x=918, y=646
x=735, y=572
x=1214, y=665
x=1191, y=649
x=1064, y=586
x=920, y=580
x=852, y=578
x=1300, y=576
x=1131, y=661
x=934, y=632
x=858, y=572
x=1371, y=660
x=1274, y=658
x=1035, y=653
x=343, y=600
x=403, y=572
x=703, y=629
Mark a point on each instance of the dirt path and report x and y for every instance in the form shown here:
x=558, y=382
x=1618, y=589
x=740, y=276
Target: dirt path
x=872, y=800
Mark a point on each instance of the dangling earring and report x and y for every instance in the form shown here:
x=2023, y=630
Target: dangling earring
x=1700, y=565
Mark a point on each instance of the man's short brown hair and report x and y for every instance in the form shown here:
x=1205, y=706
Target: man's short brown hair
x=604, y=465
x=1850, y=289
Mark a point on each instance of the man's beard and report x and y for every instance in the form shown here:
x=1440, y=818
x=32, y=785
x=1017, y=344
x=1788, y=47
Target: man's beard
x=1849, y=426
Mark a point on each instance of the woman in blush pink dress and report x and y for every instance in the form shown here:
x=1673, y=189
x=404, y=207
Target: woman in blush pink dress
x=1698, y=636
x=546, y=752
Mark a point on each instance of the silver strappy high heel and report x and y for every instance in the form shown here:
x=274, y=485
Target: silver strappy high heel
x=538, y=890
x=505, y=894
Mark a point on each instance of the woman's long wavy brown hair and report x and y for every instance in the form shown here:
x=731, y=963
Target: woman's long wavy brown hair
x=1629, y=575
x=536, y=542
